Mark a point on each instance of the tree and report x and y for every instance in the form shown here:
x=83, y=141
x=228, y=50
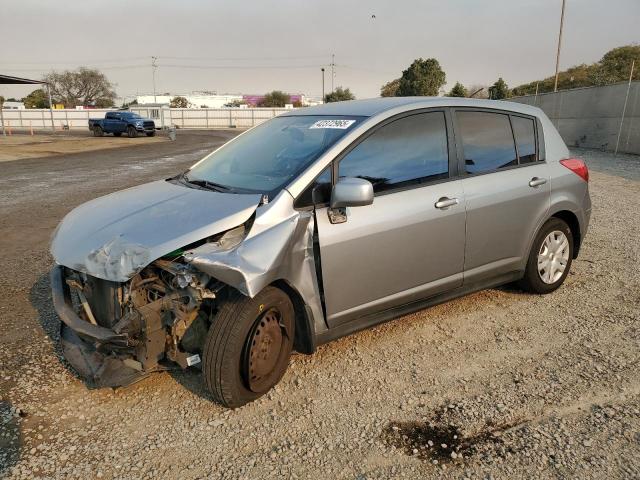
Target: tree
x=478, y=91
x=275, y=99
x=499, y=90
x=128, y=104
x=84, y=86
x=423, y=77
x=36, y=99
x=615, y=65
x=339, y=95
x=179, y=102
x=390, y=89
x=458, y=90
x=235, y=103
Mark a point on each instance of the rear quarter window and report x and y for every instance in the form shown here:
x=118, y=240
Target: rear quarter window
x=487, y=141
x=525, y=134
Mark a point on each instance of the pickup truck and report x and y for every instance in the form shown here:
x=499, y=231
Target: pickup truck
x=122, y=122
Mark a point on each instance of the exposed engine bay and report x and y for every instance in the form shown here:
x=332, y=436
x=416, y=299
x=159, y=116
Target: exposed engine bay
x=163, y=312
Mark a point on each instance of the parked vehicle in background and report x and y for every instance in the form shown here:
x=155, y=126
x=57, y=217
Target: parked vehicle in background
x=122, y=122
x=318, y=223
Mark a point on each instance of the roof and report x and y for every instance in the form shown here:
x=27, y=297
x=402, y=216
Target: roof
x=9, y=80
x=373, y=106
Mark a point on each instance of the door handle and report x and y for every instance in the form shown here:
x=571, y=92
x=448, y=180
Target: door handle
x=535, y=182
x=446, y=202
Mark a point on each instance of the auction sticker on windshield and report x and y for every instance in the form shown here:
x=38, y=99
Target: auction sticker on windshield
x=341, y=124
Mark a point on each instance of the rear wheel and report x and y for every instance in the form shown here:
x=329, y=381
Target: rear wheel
x=550, y=258
x=132, y=132
x=98, y=132
x=248, y=346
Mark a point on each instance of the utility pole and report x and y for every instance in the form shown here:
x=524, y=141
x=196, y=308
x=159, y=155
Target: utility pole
x=624, y=108
x=333, y=69
x=322, y=69
x=555, y=86
x=153, y=73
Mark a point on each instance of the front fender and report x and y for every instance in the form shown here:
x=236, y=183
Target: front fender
x=279, y=247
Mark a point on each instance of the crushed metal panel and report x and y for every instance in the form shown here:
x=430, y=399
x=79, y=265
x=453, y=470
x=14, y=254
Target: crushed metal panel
x=279, y=246
x=117, y=259
x=115, y=236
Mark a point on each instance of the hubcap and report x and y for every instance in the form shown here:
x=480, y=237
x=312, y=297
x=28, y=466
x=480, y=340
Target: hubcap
x=553, y=257
x=264, y=350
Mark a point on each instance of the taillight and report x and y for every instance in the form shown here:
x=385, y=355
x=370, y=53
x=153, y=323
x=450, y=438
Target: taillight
x=577, y=166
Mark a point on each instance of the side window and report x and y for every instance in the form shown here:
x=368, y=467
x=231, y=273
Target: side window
x=407, y=151
x=318, y=192
x=525, y=133
x=487, y=141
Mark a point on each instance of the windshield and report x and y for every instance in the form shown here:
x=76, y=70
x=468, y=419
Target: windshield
x=269, y=156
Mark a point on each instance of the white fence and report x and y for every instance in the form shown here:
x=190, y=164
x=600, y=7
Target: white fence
x=39, y=119
x=208, y=117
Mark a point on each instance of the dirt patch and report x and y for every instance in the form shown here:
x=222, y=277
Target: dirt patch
x=438, y=442
x=18, y=147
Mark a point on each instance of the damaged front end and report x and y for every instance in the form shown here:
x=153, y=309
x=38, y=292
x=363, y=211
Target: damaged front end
x=115, y=333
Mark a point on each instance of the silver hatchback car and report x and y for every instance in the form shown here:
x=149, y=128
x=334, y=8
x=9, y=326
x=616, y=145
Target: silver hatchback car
x=311, y=226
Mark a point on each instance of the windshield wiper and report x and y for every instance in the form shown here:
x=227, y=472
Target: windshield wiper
x=217, y=187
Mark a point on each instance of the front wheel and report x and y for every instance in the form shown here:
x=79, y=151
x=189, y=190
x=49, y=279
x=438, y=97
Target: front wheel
x=132, y=132
x=550, y=258
x=248, y=346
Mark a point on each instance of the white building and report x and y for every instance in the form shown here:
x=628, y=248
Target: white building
x=13, y=105
x=195, y=99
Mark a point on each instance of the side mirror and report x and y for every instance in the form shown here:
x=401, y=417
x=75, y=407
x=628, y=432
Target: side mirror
x=351, y=192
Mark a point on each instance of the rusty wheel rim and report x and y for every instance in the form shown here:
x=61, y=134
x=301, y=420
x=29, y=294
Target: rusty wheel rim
x=266, y=343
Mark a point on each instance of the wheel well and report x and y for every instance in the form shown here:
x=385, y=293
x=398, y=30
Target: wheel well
x=303, y=341
x=570, y=219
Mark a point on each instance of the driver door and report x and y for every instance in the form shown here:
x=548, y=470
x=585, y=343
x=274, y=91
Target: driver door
x=409, y=244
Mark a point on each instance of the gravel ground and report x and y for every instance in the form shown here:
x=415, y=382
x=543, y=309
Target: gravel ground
x=499, y=384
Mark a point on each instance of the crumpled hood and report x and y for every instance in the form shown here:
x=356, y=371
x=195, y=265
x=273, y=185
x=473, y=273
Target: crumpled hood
x=115, y=236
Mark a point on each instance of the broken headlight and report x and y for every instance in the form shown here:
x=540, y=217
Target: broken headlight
x=231, y=238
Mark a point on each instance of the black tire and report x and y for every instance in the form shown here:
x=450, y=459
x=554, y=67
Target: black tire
x=117, y=134
x=98, y=132
x=132, y=132
x=237, y=345
x=532, y=280
x=151, y=134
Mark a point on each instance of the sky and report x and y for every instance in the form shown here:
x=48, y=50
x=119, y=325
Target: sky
x=258, y=46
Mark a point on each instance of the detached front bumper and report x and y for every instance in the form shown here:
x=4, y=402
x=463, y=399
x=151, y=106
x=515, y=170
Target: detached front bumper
x=62, y=304
x=91, y=350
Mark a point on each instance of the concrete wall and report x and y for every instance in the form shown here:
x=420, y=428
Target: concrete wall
x=590, y=117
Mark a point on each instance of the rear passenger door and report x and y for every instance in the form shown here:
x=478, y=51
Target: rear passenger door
x=112, y=122
x=506, y=184
x=407, y=245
